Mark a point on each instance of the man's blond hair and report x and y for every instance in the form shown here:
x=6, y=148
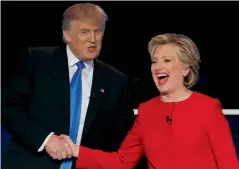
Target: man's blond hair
x=84, y=12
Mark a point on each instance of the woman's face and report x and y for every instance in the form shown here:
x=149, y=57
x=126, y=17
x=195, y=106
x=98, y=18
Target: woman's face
x=167, y=70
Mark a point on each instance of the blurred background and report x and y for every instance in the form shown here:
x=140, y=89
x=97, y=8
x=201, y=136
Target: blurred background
x=213, y=26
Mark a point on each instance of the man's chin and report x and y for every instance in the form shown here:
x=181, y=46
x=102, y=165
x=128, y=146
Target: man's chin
x=92, y=56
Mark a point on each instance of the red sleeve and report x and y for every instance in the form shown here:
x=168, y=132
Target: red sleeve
x=128, y=155
x=221, y=139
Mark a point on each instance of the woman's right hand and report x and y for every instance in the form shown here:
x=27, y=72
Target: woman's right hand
x=74, y=147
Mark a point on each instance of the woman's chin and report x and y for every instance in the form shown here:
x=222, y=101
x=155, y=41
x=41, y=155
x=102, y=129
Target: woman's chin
x=163, y=90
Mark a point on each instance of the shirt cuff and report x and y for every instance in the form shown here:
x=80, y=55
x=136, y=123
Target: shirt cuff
x=45, y=141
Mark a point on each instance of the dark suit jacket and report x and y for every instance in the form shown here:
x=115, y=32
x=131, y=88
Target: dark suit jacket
x=36, y=102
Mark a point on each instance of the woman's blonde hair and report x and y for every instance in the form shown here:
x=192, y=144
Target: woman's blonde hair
x=187, y=51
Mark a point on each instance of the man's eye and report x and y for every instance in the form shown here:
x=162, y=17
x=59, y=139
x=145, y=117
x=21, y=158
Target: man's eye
x=167, y=60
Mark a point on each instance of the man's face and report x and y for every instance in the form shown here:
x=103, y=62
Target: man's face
x=84, y=38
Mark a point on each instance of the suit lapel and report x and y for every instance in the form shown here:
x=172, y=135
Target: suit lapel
x=60, y=79
x=97, y=94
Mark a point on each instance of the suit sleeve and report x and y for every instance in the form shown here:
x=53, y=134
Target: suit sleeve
x=221, y=139
x=15, y=105
x=127, y=156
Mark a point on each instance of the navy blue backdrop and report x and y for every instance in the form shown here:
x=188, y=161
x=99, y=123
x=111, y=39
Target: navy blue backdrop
x=212, y=25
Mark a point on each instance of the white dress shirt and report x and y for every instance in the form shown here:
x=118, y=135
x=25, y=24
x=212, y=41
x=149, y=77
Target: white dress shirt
x=87, y=78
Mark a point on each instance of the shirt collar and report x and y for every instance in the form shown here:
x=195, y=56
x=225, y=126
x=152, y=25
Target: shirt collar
x=72, y=60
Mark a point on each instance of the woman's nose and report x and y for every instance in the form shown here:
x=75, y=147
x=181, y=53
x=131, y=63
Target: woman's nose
x=158, y=66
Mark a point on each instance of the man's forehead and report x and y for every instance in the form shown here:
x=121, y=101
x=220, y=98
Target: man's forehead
x=88, y=24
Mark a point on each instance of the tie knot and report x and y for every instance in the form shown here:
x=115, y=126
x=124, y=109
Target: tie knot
x=80, y=65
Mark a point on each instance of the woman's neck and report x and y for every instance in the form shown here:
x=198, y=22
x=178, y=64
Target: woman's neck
x=176, y=96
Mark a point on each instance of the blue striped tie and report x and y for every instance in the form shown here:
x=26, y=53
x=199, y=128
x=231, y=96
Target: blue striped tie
x=75, y=109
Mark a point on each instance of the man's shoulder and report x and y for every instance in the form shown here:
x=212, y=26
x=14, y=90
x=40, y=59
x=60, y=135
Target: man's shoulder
x=43, y=54
x=44, y=49
x=110, y=70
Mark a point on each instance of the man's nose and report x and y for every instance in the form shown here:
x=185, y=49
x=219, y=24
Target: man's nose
x=93, y=37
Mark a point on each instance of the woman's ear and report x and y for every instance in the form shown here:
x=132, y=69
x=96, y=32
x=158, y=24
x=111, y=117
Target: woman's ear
x=186, y=71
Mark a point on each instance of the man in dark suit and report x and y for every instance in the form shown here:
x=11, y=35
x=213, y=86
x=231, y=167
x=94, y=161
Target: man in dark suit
x=37, y=105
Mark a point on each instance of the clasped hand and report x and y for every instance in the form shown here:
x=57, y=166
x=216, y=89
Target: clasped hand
x=61, y=147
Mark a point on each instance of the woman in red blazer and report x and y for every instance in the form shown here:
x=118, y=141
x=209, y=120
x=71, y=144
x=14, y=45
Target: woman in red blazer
x=180, y=129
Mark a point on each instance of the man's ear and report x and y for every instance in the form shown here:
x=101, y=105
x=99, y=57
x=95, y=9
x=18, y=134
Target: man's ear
x=66, y=36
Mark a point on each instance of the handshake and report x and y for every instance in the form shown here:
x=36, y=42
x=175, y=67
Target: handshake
x=61, y=147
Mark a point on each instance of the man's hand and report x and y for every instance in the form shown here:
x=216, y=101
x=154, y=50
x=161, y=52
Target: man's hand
x=58, y=148
x=74, y=147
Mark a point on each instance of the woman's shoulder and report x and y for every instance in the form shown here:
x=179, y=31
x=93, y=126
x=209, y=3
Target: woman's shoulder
x=205, y=99
x=150, y=103
x=206, y=105
x=197, y=97
x=198, y=100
